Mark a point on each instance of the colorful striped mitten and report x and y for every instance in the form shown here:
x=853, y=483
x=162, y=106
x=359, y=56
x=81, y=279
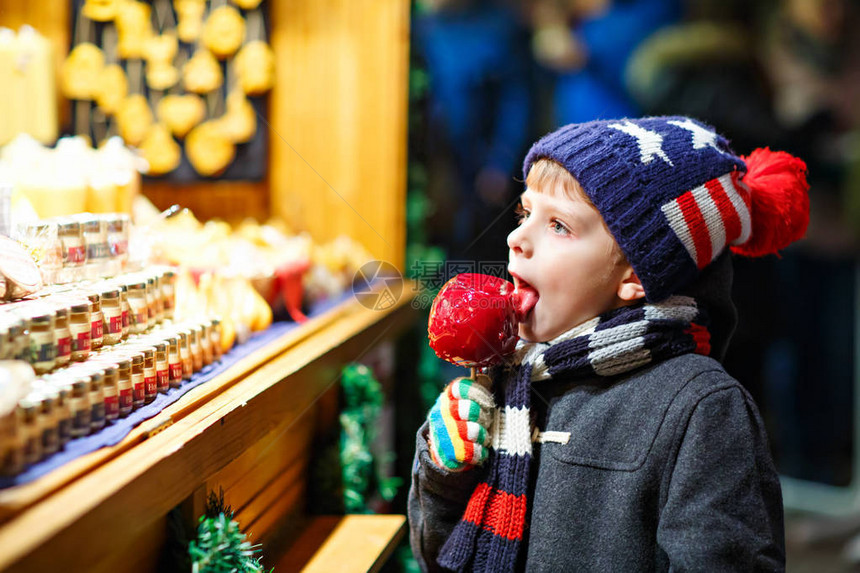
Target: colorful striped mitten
x=460, y=424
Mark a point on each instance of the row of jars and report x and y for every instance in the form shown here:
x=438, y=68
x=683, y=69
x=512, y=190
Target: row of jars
x=67, y=324
x=79, y=247
x=81, y=399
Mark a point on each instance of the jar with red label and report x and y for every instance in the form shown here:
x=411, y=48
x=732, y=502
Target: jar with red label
x=80, y=327
x=97, y=338
x=43, y=340
x=124, y=309
x=162, y=369
x=82, y=409
x=74, y=250
x=185, y=353
x=174, y=361
x=124, y=386
x=110, y=389
x=138, y=309
x=112, y=312
x=64, y=336
x=138, y=394
x=117, y=237
x=95, y=241
x=150, y=380
x=168, y=293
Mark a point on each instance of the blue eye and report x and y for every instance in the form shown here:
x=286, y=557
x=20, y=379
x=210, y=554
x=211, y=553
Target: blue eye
x=558, y=227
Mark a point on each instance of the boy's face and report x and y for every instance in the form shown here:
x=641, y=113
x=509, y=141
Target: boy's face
x=563, y=251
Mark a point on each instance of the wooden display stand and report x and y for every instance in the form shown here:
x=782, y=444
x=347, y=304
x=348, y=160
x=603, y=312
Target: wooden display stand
x=338, y=127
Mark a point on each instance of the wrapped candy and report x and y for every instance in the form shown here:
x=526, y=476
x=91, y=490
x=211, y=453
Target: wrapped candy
x=474, y=319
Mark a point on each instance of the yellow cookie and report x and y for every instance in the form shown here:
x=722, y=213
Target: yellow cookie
x=181, y=112
x=161, y=75
x=240, y=122
x=134, y=119
x=224, y=31
x=80, y=73
x=247, y=4
x=133, y=27
x=111, y=88
x=202, y=73
x=255, y=66
x=190, y=16
x=160, y=150
x=208, y=149
x=100, y=10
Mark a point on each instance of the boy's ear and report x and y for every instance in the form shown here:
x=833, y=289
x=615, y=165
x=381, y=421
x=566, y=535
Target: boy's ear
x=630, y=288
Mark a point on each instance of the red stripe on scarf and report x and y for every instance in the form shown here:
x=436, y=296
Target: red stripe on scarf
x=701, y=337
x=502, y=513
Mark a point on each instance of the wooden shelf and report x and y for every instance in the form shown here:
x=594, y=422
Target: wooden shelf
x=110, y=507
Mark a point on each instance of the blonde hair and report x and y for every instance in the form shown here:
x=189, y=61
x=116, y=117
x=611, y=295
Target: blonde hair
x=548, y=176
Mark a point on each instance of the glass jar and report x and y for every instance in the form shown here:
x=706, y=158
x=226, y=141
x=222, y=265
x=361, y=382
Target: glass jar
x=31, y=429
x=162, y=370
x=97, y=338
x=74, y=250
x=185, y=354
x=80, y=326
x=150, y=381
x=49, y=418
x=64, y=336
x=206, y=342
x=95, y=240
x=112, y=313
x=174, y=361
x=138, y=316
x=63, y=410
x=137, y=378
x=195, y=332
x=110, y=390
x=12, y=434
x=43, y=341
x=124, y=309
x=216, y=339
x=124, y=386
x=19, y=341
x=117, y=237
x=168, y=293
x=150, y=301
x=97, y=398
x=82, y=410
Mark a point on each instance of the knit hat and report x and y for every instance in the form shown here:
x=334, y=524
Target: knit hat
x=674, y=195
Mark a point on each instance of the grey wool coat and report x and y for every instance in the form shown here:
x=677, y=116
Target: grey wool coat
x=666, y=469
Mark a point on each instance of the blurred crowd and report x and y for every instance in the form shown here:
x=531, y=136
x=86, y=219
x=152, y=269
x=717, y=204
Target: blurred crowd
x=777, y=73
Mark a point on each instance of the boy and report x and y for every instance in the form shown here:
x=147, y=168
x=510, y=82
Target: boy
x=614, y=440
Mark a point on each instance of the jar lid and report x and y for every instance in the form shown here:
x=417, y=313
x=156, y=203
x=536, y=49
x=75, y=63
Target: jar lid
x=93, y=225
x=43, y=316
x=110, y=292
x=169, y=273
x=160, y=345
x=69, y=226
x=81, y=385
x=94, y=297
x=62, y=311
x=81, y=306
x=136, y=283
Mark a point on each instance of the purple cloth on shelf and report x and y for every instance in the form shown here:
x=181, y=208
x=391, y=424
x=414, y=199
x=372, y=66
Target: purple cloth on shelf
x=114, y=432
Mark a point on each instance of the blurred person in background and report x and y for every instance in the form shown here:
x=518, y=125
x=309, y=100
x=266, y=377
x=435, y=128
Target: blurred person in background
x=587, y=44
x=476, y=56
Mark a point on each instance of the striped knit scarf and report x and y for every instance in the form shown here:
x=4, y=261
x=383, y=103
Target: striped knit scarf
x=489, y=535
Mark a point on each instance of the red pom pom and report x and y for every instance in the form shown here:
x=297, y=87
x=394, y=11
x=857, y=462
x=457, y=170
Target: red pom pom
x=779, y=202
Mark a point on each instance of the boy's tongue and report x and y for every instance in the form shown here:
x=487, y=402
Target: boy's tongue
x=525, y=299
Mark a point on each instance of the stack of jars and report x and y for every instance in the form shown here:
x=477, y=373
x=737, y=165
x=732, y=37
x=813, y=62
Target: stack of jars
x=100, y=350
x=79, y=247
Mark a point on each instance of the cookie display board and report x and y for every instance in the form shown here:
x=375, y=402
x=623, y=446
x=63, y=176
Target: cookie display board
x=184, y=81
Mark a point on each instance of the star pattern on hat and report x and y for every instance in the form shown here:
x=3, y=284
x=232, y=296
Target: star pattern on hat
x=702, y=137
x=650, y=142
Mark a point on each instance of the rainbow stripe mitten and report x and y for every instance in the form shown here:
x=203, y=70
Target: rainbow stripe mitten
x=459, y=425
